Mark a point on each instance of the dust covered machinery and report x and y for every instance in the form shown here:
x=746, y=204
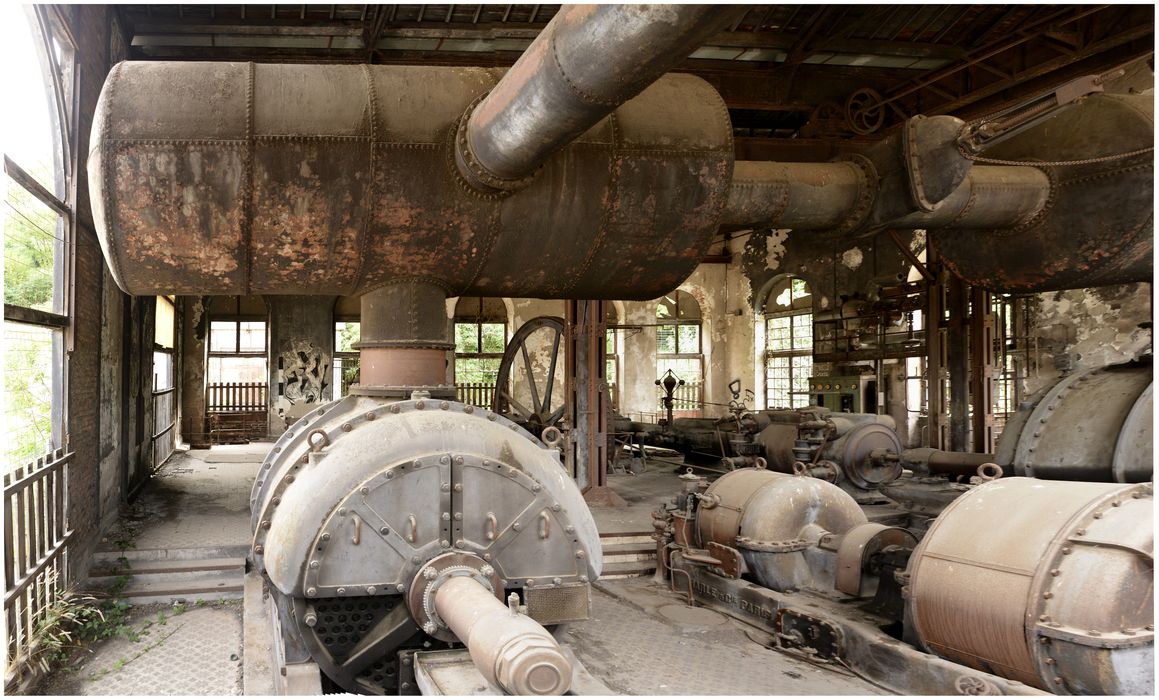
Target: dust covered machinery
x=386, y=527
x=1019, y=585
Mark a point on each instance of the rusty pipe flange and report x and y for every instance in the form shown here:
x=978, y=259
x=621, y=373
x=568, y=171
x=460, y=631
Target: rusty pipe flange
x=867, y=186
x=420, y=599
x=477, y=178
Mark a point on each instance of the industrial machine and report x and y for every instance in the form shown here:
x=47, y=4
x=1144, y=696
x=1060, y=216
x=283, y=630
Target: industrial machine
x=397, y=519
x=1019, y=585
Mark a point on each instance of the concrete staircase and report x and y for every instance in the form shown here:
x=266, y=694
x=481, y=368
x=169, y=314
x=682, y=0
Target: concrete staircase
x=628, y=554
x=170, y=575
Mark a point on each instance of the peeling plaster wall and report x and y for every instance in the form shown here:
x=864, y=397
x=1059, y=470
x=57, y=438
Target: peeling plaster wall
x=194, y=329
x=1081, y=329
x=301, y=343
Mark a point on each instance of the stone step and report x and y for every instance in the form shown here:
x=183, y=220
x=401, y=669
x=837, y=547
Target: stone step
x=108, y=558
x=208, y=587
x=617, y=538
x=648, y=547
x=628, y=569
x=105, y=575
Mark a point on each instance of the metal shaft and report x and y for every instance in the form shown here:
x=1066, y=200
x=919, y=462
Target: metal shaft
x=508, y=648
x=589, y=60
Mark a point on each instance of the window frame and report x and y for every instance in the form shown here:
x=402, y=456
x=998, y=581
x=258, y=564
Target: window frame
x=793, y=353
x=59, y=76
x=675, y=322
x=478, y=320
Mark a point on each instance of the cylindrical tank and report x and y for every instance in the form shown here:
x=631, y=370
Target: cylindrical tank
x=1045, y=582
x=234, y=178
x=1090, y=426
x=853, y=438
x=363, y=506
x=776, y=520
x=1097, y=226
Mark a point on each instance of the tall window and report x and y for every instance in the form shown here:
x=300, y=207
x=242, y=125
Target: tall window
x=788, y=344
x=612, y=354
x=36, y=132
x=678, y=346
x=346, y=334
x=237, y=341
x=480, y=335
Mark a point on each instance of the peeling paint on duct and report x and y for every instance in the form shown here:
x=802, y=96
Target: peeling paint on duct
x=852, y=258
x=775, y=248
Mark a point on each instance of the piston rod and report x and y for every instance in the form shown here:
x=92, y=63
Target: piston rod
x=509, y=648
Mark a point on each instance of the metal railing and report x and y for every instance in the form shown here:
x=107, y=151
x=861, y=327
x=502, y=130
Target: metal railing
x=36, y=538
x=475, y=394
x=685, y=398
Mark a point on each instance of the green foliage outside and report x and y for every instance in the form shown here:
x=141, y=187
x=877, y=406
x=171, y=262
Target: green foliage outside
x=30, y=251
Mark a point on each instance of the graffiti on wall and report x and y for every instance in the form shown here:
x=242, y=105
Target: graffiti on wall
x=305, y=373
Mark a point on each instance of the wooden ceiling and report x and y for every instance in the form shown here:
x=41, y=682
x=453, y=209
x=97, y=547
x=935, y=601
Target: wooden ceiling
x=813, y=74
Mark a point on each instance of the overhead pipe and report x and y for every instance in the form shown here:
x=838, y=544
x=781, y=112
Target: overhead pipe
x=589, y=60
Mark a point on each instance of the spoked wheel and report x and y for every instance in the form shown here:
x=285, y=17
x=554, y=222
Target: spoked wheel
x=526, y=389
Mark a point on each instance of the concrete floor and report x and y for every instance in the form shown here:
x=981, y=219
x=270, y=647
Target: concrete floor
x=642, y=639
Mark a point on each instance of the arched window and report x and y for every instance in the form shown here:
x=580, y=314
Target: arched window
x=480, y=335
x=678, y=346
x=788, y=344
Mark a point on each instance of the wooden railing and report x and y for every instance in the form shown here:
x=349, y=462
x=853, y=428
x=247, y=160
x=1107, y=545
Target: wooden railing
x=475, y=394
x=164, y=420
x=685, y=398
x=236, y=412
x=36, y=537
x=236, y=397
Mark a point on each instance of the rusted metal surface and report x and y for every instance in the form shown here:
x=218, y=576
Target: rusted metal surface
x=1046, y=583
x=776, y=521
x=510, y=649
x=587, y=61
x=234, y=178
x=865, y=647
x=1096, y=228
x=404, y=336
x=792, y=195
x=926, y=460
x=1090, y=426
x=858, y=545
x=361, y=497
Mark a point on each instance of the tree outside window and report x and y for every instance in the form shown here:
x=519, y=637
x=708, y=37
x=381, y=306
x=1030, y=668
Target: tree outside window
x=788, y=344
x=480, y=336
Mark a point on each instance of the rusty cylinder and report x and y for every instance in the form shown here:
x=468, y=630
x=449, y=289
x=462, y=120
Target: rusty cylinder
x=404, y=336
x=241, y=178
x=586, y=62
x=509, y=649
x=1090, y=426
x=1044, y=582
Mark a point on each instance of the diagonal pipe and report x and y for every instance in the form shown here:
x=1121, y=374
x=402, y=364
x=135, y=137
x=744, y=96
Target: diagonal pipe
x=589, y=60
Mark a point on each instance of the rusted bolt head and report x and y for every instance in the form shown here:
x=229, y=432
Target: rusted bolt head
x=555, y=507
x=371, y=590
x=1116, y=504
x=346, y=427
x=430, y=627
x=468, y=409
x=459, y=459
x=364, y=490
x=458, y=516
x=444, y=405
x=311, y=619
x=458, y=488
x=400, y=588
x=384, y=531
x=314, y=564
x=277, y=500
x=569, y=529
x=516, y=527
x=487, y=556
x=370, y=415
x=579, y=554
x=445, y=487
x=341, y=591
x=259, y=549
x=420, y=405
x=584, y=579
x=487, y=570
x=311, y=592
x=445, y=544
x=447, y=517
x=394, y=409
x=460, y=543
x=1066, y=550
x=325, y=536
x=490, y=416
x=265, y=524
x=535, y=488
x=290, y=479
x=444, y=460
x=1097, y=514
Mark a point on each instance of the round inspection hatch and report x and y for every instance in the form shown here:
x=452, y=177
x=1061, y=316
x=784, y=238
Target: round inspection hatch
x=695, y=617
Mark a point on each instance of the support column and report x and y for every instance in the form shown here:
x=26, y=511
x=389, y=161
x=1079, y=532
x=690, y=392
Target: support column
x=404, y=341
x=982, y=361
x=958, y=361
x=935, y=400
x=588, y=405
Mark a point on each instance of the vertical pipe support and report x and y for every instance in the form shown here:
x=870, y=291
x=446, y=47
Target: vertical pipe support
x=404, y=339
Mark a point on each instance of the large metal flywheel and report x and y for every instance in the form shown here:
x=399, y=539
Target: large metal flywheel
x=528, y=389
